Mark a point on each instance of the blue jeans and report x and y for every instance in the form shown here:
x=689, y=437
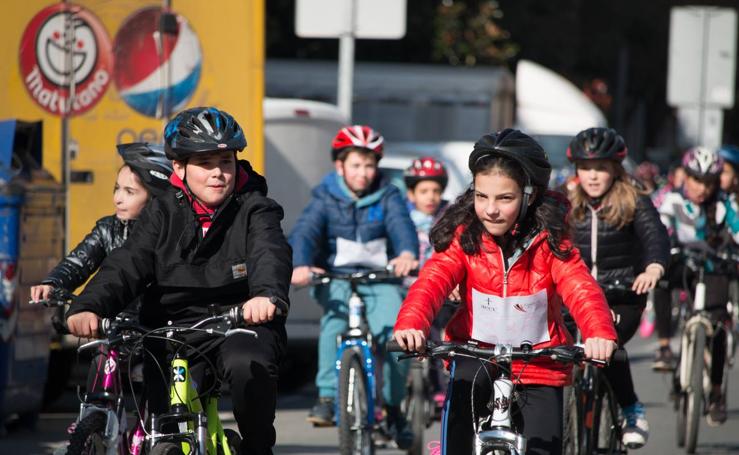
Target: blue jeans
x=382, y=303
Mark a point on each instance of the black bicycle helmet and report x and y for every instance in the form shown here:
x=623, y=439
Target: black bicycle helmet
x=597, y=144
x=202, y=130
x=524, y=150
x=149, y=163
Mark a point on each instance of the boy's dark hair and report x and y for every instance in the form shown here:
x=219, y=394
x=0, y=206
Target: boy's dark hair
x=343, y=154
x=547, y=212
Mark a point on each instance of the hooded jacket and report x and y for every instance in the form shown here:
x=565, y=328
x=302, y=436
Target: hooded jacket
x=181, y=271
x=535, y=271
x=108, y=234
x=333, y=213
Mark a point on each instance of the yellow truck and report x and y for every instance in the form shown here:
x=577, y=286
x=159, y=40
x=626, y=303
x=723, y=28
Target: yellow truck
x=96, y=73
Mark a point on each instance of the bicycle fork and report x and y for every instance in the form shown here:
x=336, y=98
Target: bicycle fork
x=500, y=435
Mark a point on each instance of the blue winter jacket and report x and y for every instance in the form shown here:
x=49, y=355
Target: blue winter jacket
x=334, y=212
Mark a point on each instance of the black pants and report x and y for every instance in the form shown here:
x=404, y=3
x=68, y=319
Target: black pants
x=537, y=413
x=628, y=307
x=249, y=366
x=717, y=295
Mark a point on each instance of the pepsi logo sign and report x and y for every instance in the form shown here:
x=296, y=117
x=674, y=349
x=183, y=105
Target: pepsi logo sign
x=48, y=63
x=157, y=69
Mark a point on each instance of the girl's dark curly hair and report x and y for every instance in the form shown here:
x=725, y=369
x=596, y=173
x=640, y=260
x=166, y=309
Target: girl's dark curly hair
x=548, y=212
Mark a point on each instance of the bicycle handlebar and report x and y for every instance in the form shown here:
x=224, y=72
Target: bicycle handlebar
x=506, y=353
x=362, y=277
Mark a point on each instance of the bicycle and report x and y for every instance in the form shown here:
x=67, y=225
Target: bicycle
x=355, y=368
x=593, y=420
x=101, y=426
x=691, y=378
x=495, y=433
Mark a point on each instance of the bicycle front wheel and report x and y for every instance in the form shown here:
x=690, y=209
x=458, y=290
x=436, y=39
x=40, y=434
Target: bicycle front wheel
x=694, y=394
x=417, y=407
x=355, y=432
x=572, y=418
x=89, y=436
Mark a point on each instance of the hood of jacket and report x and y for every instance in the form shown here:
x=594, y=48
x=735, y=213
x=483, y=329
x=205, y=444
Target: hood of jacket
x=335, y=185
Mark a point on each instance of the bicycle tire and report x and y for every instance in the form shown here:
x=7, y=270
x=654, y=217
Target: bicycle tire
x=572, y=419
x=233, y=438
x=416, y=408
x=88, y=436
x=355, y=434
x=695, y=389
x=167, y=448
x=681, y=419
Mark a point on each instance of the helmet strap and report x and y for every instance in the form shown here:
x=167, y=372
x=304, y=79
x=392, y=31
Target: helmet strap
x=528, y=190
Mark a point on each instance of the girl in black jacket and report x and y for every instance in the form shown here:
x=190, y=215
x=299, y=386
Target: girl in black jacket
x=144, y=174
x=621, y=238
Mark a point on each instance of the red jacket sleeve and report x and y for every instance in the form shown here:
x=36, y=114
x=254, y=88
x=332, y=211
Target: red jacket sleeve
x=438, y=277
x=583, y=296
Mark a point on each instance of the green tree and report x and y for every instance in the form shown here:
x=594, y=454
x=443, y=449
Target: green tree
x=467, y=33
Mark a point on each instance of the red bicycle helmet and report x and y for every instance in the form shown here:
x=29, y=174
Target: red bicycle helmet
x=425, y=168
x=357, y=136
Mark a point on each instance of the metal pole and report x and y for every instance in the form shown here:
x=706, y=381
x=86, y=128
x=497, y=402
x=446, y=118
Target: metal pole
x=69, y=40
x=346, y=63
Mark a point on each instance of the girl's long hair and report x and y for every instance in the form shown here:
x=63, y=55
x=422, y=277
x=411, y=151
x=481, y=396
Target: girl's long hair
x=619, y=202
x=546, y=213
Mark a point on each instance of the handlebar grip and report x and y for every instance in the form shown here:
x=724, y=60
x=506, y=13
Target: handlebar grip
x=619, y=356
x=393, y=346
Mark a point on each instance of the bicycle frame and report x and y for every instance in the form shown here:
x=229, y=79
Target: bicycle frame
x=109, y=400
x=199, y=430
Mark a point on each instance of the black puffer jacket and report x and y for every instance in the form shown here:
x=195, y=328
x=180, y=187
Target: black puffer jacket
x=108, y=234
x=180, y=272
x=623, y=253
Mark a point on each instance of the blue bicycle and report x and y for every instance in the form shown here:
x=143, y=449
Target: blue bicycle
x=355, y=367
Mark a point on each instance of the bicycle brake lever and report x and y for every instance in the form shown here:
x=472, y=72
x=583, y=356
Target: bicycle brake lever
x=91, y=344
x=230, y=332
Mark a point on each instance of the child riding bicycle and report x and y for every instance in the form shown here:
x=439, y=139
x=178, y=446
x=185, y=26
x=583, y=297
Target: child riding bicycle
x=504, y=242
x=356, y=220
x=144, y=175
x=620, y=236
x=693, y=213
x=213, y=238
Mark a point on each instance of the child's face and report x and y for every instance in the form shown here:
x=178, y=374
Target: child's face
x=358, y=169
x=729, y=178
x=211, y=176
x=426, y=196
x=129, y=196
x=596, y=176
x=698, y=191
x=497, y=202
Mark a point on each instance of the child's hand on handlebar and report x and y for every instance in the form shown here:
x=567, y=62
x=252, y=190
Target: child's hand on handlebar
x=599, y=348
x=303, y=274
x=84, y=324
x=41, y=292
x=404, y=263
x=647, y=280
x=258, y=310
x=411, y=340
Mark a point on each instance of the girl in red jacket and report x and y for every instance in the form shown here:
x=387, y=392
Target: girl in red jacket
x=504, y=242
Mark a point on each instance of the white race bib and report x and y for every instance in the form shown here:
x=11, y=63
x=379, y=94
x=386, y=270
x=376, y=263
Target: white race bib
x=510, y=320
x=372, y=254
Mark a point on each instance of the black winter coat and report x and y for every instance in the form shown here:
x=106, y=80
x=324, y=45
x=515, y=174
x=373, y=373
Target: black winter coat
x=180, y=272
x=624, y=253
x=108, y=234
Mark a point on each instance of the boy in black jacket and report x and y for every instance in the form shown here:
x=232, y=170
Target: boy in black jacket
x=215, y=238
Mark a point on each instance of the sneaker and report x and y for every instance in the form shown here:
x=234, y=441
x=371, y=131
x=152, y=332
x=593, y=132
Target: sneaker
x=322, y=413
x=398, y=428
x=716, y=409
x=636, y=427
x=664, y=360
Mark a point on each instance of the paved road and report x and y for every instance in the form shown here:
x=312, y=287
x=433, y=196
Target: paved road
x=295, y=436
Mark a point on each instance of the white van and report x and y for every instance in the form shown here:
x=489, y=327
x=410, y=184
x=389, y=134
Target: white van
x=297, y=137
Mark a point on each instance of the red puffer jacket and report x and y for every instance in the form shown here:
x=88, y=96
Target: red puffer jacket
x=499, y=306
